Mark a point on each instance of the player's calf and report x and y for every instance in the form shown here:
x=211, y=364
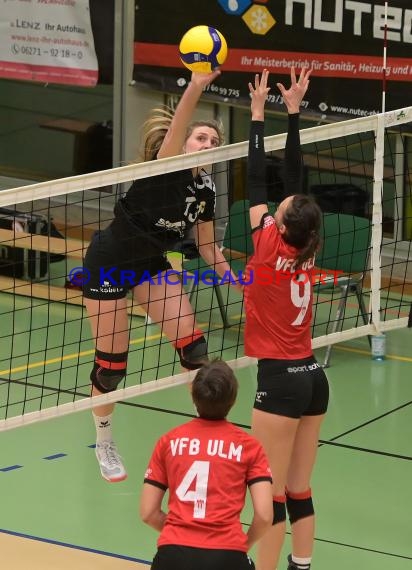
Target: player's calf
x=299, y=506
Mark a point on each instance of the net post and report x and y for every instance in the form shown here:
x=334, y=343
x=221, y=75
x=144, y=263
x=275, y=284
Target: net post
x=376, y=238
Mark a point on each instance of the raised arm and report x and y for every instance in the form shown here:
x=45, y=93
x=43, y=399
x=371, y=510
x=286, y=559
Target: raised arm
x=175, y=138
x=256, y=178
x=292, y=98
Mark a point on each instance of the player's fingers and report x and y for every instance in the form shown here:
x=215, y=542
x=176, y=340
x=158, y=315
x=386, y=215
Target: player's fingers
x=281, y=88
x=302, y=75
x=307, y=73
x=215, y=74
x=293, y=75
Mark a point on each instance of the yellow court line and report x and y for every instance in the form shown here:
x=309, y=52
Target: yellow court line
x=366, y=352
x=89, y=352
x=76, y=355
x=70, y=356
x=353, y=350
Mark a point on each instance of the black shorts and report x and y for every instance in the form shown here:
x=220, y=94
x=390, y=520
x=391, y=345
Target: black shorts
x=112, y=267
x=292, y=388
x=173, y=557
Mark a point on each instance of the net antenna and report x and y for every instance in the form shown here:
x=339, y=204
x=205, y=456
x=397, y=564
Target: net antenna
x=377, y=195
x=384, y=58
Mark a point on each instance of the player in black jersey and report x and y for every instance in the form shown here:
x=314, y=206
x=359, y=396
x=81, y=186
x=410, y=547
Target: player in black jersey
x=154, y=214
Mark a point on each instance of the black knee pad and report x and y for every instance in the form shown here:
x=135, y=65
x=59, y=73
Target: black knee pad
x=279, y=510
x=108, y=370
x=299, y=505
x=194, y=354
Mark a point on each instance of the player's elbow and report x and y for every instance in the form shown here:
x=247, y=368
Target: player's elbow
x=265, y=515
x=147, y=514
x=264, y=512
x=148, y=508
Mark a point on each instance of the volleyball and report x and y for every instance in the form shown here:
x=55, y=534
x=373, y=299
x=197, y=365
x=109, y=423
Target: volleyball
x=202, y=49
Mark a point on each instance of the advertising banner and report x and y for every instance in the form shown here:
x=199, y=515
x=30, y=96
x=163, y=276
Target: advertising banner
x=48, y=41
x=343, y=41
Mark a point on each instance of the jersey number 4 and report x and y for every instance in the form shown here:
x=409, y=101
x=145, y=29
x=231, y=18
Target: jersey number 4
x=193, y=488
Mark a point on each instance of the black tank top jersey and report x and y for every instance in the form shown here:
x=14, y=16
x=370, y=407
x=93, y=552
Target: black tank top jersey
x=164, y=208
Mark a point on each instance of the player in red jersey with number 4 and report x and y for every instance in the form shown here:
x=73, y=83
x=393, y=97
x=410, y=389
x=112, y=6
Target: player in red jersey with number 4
x=292, y=393
x=206, y=465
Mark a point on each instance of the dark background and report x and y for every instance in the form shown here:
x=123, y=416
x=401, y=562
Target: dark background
x=161, y=22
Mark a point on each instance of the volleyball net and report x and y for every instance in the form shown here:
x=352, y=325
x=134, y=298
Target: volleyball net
x=359, y=171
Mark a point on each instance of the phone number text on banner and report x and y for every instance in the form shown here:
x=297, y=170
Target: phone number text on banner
x=48, y=41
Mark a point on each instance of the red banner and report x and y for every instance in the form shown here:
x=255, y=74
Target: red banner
x=323, y=65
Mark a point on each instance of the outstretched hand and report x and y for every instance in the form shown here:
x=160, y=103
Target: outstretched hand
x=204, y=79
x=258, y=95
x=293, y=96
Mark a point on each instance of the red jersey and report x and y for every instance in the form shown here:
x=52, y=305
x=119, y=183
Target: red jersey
x=207, y=466
x=278, y=299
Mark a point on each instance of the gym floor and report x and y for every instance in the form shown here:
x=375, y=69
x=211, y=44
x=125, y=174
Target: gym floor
x=57, y=513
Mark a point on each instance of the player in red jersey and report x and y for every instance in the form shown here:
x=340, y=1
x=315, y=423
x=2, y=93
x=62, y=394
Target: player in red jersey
x=292, y=393
x=206, y=465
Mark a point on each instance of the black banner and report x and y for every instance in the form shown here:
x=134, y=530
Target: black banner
x=342, y=41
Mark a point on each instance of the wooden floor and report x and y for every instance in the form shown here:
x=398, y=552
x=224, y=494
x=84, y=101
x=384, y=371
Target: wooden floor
x=18, y=552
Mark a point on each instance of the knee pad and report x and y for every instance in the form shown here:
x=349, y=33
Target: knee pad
x=192, y=350
x=108, y=371
x=299, y=505
x=279, y=509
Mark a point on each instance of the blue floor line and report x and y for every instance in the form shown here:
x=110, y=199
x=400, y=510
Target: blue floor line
x=11, y=468
x=55, y=456
x=48, y=458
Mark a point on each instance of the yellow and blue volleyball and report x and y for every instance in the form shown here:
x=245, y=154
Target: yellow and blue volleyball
x=203, y=49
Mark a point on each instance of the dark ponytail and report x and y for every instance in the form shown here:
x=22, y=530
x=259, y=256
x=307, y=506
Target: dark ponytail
x=302, y=220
